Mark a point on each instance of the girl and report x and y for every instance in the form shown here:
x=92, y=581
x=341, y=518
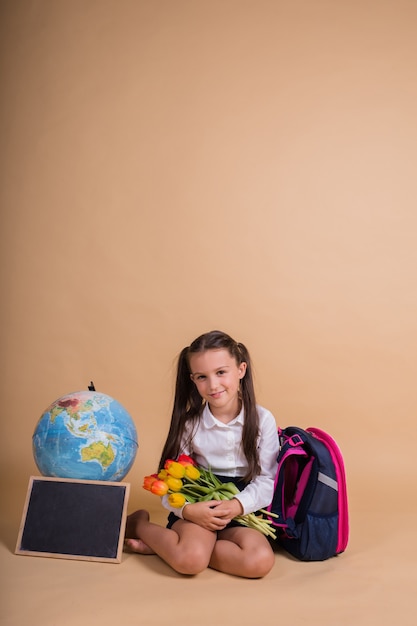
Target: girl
x=216, y=421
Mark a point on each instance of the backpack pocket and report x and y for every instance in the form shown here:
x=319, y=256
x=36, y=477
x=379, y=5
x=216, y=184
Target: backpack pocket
x=313, y=540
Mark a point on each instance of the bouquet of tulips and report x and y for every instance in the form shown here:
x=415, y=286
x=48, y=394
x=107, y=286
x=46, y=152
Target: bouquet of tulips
x=182, y=481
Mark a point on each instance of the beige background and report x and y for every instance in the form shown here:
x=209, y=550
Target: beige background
x=172, y=166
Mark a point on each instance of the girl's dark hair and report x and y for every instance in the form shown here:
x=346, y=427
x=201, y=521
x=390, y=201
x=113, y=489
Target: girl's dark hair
x=188, y=404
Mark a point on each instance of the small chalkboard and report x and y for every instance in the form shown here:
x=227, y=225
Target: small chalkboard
x=74, y=519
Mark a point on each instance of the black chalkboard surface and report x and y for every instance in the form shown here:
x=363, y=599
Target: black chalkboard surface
x=74, y=519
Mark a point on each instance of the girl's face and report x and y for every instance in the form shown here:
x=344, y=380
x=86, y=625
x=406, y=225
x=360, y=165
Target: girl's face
x=217, y=378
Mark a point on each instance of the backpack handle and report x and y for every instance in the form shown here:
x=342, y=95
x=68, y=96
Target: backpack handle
x=294, y=441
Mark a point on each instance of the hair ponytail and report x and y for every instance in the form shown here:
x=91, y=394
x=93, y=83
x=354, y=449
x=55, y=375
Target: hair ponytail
x=251, y=423
x=187, y=406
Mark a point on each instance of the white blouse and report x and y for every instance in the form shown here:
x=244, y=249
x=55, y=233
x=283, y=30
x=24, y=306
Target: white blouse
x=217, y=446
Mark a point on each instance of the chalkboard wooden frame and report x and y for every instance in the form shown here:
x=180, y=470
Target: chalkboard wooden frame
x=74, y=519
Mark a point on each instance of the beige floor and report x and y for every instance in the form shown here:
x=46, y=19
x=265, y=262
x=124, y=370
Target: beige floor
x=374, y=581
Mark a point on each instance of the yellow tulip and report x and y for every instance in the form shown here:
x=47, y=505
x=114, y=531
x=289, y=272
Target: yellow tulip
x=175, y=484
x=192, y=472
x=175, y=469
x=177, y=500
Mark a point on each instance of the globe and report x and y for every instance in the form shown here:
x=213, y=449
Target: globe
x=85, y=435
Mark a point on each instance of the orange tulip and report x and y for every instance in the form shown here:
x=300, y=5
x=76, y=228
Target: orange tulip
x=159, y=488
x=148, y=481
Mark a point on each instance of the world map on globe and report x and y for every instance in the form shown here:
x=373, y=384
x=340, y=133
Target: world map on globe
x=85, y=435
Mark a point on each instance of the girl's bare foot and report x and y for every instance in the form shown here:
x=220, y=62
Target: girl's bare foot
x=132, y=538
x=138, y=546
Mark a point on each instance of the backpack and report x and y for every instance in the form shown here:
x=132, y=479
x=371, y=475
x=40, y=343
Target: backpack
x=310, y=496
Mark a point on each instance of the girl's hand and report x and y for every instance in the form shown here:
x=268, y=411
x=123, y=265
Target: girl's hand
x=229, y=508
x=213, y=515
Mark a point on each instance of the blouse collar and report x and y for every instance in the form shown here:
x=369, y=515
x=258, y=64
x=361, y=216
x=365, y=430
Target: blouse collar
x=210, y=421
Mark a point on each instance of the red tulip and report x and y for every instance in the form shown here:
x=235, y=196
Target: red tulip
x=185, y=460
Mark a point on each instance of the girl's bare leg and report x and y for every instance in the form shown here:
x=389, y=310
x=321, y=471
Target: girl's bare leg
x=186, y=547
x=242, y=552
